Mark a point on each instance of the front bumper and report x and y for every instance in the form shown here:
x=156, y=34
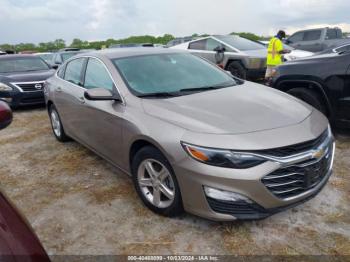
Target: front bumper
x=16, y=98
x=193, y=176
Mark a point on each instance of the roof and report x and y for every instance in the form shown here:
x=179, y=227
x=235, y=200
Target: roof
x=16, y=56
x=129, y=52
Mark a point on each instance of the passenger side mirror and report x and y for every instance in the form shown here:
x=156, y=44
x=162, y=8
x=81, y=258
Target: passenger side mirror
x=101, y=94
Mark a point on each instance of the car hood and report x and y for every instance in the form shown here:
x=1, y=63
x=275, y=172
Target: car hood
x=300, y=53
x=27, y=76
x=239, y=109
x=256, y=53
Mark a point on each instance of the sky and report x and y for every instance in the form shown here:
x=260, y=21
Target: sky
x=37, y=21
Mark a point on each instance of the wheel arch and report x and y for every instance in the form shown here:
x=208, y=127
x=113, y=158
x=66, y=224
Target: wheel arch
x=288, y=84
x=231, y=60
x=142, y=142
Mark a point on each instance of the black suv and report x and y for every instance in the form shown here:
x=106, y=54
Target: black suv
x=322, y=81
x=22, y=79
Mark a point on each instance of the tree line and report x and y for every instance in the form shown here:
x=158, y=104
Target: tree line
x=82, y=44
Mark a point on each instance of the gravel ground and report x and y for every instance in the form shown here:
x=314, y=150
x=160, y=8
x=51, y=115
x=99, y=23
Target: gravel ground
x=78, y=204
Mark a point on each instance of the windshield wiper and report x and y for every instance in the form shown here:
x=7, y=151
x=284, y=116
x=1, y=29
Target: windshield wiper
x=204, y=88
x=160, y=94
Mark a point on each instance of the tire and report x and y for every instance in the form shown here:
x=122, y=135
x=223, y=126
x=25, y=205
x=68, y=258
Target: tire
x=237, y=70
x=156, y=183
x=311, y=97
x=56, y=125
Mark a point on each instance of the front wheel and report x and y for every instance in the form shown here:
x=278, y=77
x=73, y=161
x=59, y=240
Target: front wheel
x=237, y=70
x=155, y=182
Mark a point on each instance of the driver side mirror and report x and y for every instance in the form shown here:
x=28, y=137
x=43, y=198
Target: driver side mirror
x=220, y=49
x=101, y=94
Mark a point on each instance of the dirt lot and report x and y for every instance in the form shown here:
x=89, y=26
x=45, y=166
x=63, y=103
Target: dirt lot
x=79, y=204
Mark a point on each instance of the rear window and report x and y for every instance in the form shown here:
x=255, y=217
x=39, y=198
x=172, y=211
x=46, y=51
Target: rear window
x=22, y=64
x=240, y=43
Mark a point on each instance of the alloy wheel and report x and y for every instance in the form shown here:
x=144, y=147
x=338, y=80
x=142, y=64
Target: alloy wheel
x=156, y=183
x=56, y=125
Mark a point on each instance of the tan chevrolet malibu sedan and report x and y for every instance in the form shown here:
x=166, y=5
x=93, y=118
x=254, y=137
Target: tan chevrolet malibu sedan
x=191, y=136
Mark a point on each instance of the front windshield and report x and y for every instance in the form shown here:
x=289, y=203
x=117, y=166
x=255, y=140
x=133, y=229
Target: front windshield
x=46, y=57
x=67, y=55
x=170, y=73
x=240, y=43
x=22, y=64
x=288, y=47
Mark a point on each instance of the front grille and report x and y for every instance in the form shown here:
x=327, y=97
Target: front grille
x=295, y=149
x=299, y=178
x=31, y=87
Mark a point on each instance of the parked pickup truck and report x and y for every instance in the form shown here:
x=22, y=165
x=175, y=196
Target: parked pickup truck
x=317, y=40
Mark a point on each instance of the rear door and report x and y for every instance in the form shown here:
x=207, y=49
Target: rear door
x=69, y=95
x=101, y=121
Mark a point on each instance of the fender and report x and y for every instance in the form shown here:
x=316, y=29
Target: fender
x=314, y=83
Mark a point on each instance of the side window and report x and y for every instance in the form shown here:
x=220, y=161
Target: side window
x=58, y=59
x=73, y=71
x=331, y=34
x=198, y=45
x=60, y=72
x=296, y=37
x=97, y=76
x=212, y=44
x=312, y=35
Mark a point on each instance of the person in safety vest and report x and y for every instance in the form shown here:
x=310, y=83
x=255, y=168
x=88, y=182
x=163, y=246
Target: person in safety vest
x=275, y=54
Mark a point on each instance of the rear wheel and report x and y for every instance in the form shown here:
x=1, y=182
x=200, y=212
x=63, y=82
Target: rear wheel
x=56, y=125
x=309, y=96
x=155, y=182
x=237, y=70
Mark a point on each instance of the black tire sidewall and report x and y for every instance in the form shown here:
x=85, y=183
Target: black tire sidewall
x=150, y=152
x=63, y=137
x=236, y=66
x=310, y=97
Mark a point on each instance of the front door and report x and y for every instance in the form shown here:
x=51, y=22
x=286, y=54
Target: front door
x=101, y=121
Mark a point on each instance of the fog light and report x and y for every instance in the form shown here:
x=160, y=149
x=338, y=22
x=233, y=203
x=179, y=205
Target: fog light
x=225, y=195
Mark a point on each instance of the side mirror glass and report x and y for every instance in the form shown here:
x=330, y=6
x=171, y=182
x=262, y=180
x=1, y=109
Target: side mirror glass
x=220, y=49
x=5, y=115
x=101, y=94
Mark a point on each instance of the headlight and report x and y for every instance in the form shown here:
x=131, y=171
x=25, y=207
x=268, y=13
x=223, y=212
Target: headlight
x=223, y=158
x=4, y=87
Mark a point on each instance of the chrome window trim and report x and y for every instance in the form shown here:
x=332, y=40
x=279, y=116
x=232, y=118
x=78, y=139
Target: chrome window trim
x=28, y=83
x=93, y=57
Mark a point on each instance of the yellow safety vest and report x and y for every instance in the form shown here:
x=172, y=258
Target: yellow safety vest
x=274, y=58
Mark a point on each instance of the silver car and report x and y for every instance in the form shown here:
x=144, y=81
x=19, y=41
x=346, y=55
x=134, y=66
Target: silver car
x=191, y=136
x=244, y=58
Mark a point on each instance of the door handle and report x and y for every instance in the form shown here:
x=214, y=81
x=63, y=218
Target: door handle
x=59, y=89
x=81, y=99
